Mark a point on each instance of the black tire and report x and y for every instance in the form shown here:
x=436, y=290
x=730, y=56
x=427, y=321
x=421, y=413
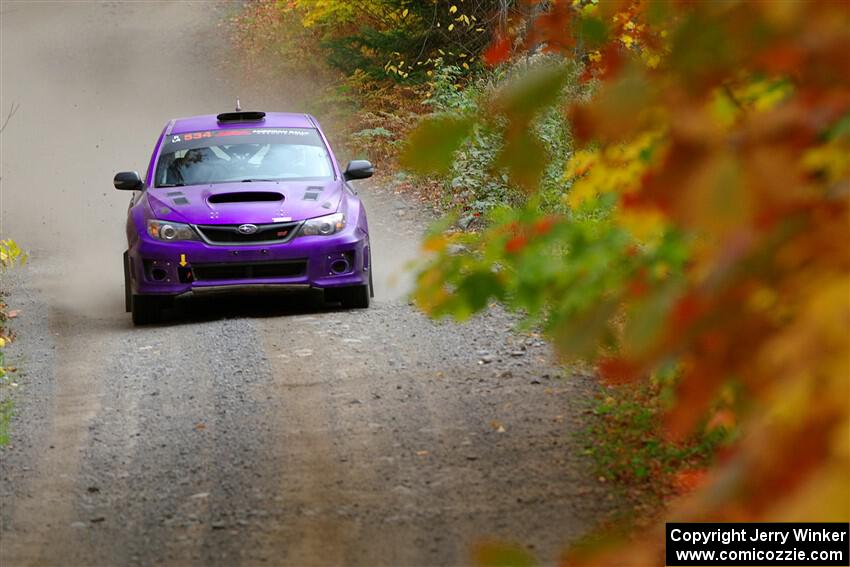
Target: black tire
x=314, y=300
x=355, y=297
x=128, y=291
x=146, y=309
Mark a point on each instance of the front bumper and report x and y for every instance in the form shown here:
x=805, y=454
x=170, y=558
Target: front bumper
x=195, y=267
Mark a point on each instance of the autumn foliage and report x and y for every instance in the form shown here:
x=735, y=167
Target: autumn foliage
x=704, y=227
x=10, y=255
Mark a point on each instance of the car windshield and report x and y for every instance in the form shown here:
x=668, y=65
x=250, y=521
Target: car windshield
x=227, y=156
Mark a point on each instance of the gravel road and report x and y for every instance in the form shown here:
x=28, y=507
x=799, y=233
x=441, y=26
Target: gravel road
x=252, y=430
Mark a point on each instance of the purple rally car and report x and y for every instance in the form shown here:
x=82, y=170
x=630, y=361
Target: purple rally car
x=244, y=201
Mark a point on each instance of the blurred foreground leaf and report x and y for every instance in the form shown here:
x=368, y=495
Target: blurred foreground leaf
x=432, y=145
x=502, y=555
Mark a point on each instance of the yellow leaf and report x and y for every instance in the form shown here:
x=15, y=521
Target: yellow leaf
x=451, y=27
x=762, y=299
x=645, y=225
x=435, y=244
x=580, y=163
x=580, y=192
x=652, y=59
x=404, y=13
x=453, y=9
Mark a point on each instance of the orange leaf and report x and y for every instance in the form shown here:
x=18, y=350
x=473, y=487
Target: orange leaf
x=689, y=480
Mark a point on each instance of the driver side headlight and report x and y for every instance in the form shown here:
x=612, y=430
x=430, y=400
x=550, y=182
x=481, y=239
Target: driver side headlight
x=323, y=226
x=169, y=231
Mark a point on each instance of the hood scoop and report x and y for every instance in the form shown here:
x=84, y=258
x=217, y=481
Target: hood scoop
x=245, y=197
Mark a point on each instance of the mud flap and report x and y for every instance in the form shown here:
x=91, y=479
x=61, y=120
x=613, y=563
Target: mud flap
x=128, y=292
x=371, y=285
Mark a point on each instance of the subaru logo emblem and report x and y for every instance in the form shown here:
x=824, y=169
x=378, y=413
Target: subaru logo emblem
x=247, y=228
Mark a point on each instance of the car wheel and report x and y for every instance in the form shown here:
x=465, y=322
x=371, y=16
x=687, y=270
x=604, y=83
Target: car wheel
x=355, y=297
x=146, y=309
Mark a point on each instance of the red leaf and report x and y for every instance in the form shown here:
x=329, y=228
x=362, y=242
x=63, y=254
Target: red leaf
x=552, y=29
x=516, y=244
x=582, y=122
x=618, y=370
x=612, y=61
x=638, y=286
x=544, y=226
x=686, y=311
x=498, y=51
x=781, y=58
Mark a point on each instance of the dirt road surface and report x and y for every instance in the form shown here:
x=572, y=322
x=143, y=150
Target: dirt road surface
x=244, y=431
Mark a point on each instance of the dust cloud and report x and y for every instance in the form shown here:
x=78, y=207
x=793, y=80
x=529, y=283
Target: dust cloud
x=96, y=83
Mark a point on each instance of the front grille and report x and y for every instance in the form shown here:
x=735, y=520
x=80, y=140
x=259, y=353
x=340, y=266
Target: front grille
x=244, y=271
x=229, y=233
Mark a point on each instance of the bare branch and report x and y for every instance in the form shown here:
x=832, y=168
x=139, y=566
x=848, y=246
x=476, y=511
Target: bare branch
x=9, y=116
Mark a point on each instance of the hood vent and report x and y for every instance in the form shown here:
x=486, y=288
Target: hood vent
x=245, y=197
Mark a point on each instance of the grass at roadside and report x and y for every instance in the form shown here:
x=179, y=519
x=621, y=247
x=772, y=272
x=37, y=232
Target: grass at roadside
x=10, y=254
x=631, y=453
x=6, y=411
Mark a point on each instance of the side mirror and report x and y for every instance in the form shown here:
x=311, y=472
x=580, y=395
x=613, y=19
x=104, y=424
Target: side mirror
x=128, y=181
x=358, y=169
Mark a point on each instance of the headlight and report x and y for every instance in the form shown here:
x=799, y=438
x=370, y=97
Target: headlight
x=323, y=226
x=168, y=231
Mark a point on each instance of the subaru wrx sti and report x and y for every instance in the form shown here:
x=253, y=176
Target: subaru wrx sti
x=242, y=202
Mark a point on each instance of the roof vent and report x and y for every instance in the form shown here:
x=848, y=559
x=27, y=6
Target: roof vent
x=242, y=116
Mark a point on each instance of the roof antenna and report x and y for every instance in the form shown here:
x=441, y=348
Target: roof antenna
x=238, y=106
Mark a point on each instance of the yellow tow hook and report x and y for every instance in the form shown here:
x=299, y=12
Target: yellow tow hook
x=185, y=273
